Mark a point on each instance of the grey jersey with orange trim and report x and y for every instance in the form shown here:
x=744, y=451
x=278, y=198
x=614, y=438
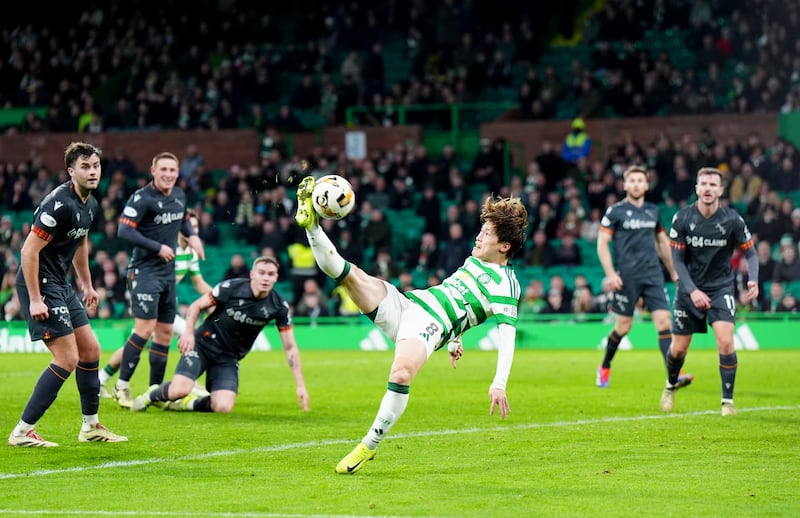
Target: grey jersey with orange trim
x=239, y=317
x=634, y=231
x=63, y=220
x=708, y=244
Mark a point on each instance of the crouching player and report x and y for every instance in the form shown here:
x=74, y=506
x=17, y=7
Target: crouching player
x=238, y=309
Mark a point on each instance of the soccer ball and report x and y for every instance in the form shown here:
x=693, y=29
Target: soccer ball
x=333, y=197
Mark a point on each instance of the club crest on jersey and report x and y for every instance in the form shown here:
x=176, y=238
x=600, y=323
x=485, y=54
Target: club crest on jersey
x=484, y=278
x=719, y=227
x=47, y=219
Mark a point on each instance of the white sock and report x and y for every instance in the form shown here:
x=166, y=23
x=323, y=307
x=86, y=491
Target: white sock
x=392, y=407
x=328, y=258
x=123, y=384
x=89, y=421
x=22, y=428
x=104, y=376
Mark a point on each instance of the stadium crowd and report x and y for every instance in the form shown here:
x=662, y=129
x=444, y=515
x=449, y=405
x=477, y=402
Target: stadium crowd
x=111, y=70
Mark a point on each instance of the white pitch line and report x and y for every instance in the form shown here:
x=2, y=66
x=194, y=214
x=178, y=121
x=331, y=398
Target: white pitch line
x=330, y=442
x=193, y=514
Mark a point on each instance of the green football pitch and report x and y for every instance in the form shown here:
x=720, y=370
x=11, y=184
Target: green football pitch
x=567, y=448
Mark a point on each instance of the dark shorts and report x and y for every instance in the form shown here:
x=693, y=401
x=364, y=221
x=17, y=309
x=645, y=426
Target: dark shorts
x=66, y=312
x=651, y=290
x=687, y=319
x=222, y=372
x=152, y=296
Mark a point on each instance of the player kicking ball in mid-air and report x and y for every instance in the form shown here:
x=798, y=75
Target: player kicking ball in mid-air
x=703, y=237
x=238, y=311
x=58, y=241
x=422, y=321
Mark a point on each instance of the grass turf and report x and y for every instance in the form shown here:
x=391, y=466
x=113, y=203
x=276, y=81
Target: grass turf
x=567, y=449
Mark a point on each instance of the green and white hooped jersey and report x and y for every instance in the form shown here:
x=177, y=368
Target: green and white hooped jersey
x=186, y=261
x=470, y=295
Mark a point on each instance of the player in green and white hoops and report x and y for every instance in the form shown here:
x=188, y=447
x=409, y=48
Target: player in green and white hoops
x=187, y=262
x=422, y=321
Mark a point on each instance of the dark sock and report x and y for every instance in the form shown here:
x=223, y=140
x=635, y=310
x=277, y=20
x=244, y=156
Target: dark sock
x=674, y=366
x=44, y=393
x=727, y=372
x=88, y=386
x=130, y=356
x=203, y=405
x=664, y=341
x=611, y=348
x=158, y=362
x=160, y=394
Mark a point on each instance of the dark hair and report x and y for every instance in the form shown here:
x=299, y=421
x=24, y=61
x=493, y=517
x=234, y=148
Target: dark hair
x=78, y=150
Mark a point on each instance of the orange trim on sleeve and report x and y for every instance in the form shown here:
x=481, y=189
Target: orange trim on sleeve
x=127, y=221
x=285, y=328
x=747, y=245
x=677, y=245
x=609, y=231
x=39, y=231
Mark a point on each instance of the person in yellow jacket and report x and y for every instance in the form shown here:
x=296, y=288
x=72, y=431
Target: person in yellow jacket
x=577, y=144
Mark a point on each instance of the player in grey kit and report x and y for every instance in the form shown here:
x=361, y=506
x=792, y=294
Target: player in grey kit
x=59, y=240
x=639, y=240
x=151, y=220
x=240, y=308
x=703, y=237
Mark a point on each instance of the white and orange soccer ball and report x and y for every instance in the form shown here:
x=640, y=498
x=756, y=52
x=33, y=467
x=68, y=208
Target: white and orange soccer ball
x=333, y=197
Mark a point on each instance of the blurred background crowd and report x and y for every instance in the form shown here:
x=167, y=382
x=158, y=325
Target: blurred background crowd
x=139, y=66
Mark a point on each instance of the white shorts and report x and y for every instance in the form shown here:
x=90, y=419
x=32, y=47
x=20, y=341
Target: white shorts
x=401, y=319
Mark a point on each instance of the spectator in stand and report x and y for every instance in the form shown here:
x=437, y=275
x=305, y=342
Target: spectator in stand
x=682, y=188
x=237, y=268
x=772, y=303
x=787, y=268
x=745, y=186
x=556, y=303
x=487, y=166
x=457, y=247
x=767, y=227
x=428, y=256
x=794, y=227
x=541, y=252
x=545, y=220
x=400, y=197
x=577, y=144
x=377, y=232
x=111, y=242
x=430, y=208
x=533, y=300
x=209, y=233
x=567, y=253
x=384, y=266
x=569, y=226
